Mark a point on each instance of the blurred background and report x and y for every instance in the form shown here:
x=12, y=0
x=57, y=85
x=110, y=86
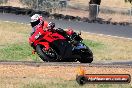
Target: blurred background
x=108, y=10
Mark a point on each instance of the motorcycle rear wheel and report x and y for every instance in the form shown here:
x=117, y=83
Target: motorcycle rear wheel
x=86, y=56
x=46, y=55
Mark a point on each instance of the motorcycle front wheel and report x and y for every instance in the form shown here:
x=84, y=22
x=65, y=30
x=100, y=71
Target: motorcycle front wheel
x=49, y=55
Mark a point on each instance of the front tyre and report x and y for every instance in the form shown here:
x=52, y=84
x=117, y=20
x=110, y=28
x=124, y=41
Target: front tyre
x=46, y=55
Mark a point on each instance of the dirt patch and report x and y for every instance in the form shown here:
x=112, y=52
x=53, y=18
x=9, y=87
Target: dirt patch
x=110, y=3
x=15, y=3
x=16, y=74
x=104, y=16
x=13, y=32
x=64, y=72
x=115, y=48
x=7, y=37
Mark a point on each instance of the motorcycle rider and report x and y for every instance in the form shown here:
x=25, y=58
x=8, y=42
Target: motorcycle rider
x=37, y=21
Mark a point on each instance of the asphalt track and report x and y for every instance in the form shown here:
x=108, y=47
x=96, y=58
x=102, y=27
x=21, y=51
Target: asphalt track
x=106, y=29
x=72, y=64
x=109, y=29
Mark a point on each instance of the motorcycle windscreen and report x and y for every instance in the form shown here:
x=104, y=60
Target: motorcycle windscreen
x=80, y=46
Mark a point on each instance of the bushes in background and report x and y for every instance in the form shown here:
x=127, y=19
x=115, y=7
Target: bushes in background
x=30, y=12
x=3, y=1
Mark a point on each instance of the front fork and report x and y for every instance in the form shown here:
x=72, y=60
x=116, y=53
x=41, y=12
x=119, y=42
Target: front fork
x=34, y=48
x=45, y=44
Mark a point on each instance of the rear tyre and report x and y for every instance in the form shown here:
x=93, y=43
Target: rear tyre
x=46, y=55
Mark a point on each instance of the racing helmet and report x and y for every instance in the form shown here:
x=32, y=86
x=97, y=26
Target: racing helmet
x=36, y=19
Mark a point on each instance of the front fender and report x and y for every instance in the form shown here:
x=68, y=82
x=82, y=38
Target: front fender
x=45, y=44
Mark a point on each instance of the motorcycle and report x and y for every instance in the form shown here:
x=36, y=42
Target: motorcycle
x=60, y=46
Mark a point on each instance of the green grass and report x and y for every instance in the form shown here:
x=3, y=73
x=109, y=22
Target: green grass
x=15, y=52
x=20, y=51
x=72, y=84
x=14, y=44
x=16, y=47
x=94, y=44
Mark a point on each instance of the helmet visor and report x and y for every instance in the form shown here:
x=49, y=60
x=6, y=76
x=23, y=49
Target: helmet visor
x=33, y=24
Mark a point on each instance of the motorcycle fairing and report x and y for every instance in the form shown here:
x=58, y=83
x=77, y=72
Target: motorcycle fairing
x=45, y=44
x=63, y=48
x=50, y=37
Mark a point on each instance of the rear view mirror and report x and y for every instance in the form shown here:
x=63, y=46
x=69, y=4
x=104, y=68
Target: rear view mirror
x=79, y=33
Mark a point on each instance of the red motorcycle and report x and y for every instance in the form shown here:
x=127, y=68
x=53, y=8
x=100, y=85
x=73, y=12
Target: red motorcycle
x=60, y=47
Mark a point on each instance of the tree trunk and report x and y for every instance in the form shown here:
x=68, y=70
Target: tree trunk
x=93, y=11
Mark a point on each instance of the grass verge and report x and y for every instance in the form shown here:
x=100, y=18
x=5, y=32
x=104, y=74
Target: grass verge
x=56, y=83
x=72, y=84
x=14, y=44
x=28, y=76
x=15, y=52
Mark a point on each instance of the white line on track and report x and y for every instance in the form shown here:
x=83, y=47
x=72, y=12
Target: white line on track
x=15, y=22
x=109, y=35
x=85, y=32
